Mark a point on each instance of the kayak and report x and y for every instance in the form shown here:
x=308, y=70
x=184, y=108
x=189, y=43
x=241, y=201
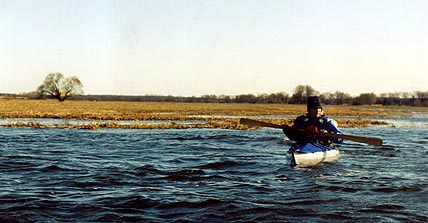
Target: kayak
x=312, y=153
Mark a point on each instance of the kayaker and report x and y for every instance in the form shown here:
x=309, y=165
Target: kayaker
x=310, y=127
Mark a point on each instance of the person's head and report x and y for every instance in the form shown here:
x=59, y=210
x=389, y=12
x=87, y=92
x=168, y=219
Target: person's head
x=314, y=107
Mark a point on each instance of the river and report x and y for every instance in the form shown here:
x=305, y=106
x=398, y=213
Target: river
x=208, y=175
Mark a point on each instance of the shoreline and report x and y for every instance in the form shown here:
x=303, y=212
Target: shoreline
x=174, y=115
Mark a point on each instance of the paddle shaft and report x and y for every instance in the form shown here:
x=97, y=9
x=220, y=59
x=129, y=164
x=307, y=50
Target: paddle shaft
x=362, y=139
x=252, y=122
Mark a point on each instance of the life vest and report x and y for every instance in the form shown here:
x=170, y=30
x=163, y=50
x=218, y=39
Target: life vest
x=304, y=121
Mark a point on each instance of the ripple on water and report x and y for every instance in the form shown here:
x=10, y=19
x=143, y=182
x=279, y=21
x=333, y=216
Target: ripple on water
x=207, y=176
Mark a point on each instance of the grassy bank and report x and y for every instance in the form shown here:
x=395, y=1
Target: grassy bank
x=208, y=115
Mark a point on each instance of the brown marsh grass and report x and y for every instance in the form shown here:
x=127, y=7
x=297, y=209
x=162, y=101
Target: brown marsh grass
x=210, y=115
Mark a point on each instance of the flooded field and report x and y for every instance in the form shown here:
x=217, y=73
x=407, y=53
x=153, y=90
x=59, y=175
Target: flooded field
x=149, y=115
x=208, y=175
x=52, y=172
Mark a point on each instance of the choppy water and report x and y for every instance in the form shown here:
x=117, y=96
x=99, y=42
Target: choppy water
x=194, y=175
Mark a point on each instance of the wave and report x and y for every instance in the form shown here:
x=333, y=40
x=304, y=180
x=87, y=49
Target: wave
x=147, y=169
x=55, y=168
x=186, y=175
x=225, y=164
x=412, y=188
x=195, y=204
x=396, y=212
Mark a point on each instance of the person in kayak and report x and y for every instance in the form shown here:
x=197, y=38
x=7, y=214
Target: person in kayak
x=314, y=123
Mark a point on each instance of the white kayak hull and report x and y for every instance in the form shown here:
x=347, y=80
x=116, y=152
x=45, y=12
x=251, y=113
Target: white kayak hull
x=313, y=154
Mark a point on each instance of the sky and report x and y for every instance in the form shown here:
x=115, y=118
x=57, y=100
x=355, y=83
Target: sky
x=220, y=47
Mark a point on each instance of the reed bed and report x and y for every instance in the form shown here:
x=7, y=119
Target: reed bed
x=207, y=115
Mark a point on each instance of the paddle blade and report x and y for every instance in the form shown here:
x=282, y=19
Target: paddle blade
x=362, y=139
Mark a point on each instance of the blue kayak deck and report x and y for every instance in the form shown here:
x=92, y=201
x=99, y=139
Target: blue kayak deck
x=310, y=147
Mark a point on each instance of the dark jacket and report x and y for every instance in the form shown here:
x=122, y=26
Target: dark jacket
x=301, y=123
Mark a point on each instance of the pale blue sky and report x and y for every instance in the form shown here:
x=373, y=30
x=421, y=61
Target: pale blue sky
x=194, y=47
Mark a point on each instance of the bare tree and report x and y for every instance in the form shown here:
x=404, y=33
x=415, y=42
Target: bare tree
x=366, y=99
x=301, y=92
x=342, y=98
x=56, y=85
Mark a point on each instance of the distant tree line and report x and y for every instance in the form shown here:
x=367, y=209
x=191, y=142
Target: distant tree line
x=417, y=98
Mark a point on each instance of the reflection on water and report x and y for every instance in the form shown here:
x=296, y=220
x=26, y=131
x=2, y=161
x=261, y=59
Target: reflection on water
x=207, y=175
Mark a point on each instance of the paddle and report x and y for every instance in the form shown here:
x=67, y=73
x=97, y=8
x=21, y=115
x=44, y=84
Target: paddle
x=368, y=140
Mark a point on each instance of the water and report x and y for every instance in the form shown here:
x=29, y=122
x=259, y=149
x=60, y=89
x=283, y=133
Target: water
x=207, y=175
x=53, y=122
